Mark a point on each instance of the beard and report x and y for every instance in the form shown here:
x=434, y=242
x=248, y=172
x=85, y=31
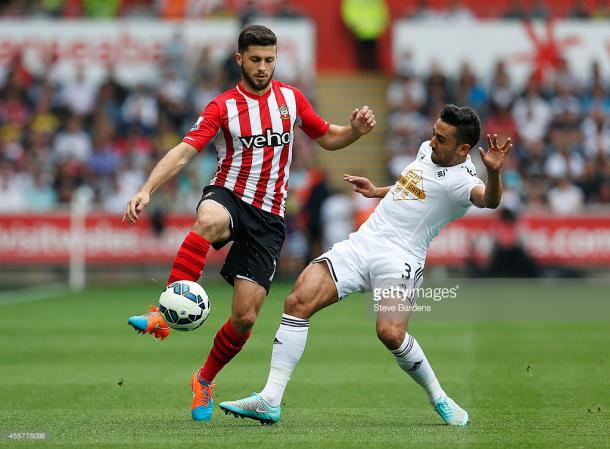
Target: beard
x=254, y=84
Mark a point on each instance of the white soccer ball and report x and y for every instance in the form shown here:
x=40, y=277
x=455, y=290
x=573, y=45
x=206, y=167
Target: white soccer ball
x=185, y=305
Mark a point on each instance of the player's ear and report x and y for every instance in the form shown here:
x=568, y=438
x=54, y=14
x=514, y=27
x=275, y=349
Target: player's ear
x=239, y=58
x=463, y=149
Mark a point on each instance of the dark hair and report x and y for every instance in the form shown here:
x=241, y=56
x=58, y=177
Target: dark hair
x=255, y=35
x=467, y=122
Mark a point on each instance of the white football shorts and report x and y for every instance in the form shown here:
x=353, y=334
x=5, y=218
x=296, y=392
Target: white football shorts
x=360, y=264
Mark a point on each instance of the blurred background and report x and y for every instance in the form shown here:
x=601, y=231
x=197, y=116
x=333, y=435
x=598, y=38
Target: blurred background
x=94, y=92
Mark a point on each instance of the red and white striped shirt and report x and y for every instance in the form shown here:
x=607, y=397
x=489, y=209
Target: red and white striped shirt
x=254, y=136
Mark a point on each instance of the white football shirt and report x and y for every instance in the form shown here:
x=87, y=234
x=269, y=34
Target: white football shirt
x=425, y=198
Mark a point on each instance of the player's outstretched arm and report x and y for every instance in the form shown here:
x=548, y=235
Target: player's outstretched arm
x=365, y=187
x=490, y=195
x=362, y=121
x=166, y=168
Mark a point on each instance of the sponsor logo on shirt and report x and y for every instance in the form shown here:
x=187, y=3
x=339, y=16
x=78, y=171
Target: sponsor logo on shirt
x=268, y=139
x=410, y=186
x=441, y=173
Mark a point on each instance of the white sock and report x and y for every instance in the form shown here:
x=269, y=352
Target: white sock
x=413, y=361
x=288, y=346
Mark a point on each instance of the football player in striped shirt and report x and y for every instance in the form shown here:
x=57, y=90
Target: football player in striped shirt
x=386, y=256
x=252, y=126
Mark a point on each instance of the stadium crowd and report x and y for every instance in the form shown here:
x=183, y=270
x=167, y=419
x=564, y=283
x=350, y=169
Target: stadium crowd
x=57, y=135
x=560, y=126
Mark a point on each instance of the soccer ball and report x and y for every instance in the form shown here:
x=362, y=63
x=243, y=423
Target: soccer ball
x=185, y=305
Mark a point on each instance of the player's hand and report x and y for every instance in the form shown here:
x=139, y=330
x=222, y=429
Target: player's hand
x=362, y=185
x=135, y=205
x=495, y=155
x=363, y=120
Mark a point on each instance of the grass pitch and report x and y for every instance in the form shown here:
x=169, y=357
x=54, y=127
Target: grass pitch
x=72, y=368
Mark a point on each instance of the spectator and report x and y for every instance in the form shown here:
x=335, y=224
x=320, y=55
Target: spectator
x=285, y=10
x=596, y=132
x=579, y=11
x=249, y=13
x=564, y=161
x=141, y=109
x=469, y=91
x=565, y=198
x=532, y=113
x=337, y=222
x=39, y=193
x=172, y=93
x=407, y=129
x=458, y=12
x=597, y=99
x=79, y=94
x=437, y=86
x=601, y=10
x=12, y=191
x=73, y=143
x=515, y=11
x=540, y=11
x=509, y=257
x=423, y=12
x=367, y=20
x=102, y=9
x=406, y=87
x=565, y=106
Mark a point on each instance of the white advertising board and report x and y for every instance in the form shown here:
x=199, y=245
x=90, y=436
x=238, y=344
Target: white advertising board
x=135, y=47
x=523, y=47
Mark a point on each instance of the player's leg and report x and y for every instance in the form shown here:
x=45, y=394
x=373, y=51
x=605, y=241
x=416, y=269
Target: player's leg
x=248, y=298
x=392, y=330
x=314, y=290
x=249, y=267
x=212, y=226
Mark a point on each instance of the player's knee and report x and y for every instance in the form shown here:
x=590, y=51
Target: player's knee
x=298, y=303
x=209, y=226
x=243, y=322
x=391, y=334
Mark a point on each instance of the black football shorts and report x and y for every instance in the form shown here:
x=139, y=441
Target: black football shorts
x=257, y=237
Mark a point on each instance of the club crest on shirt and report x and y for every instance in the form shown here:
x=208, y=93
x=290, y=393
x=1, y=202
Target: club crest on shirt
x=410, y=186
x=284, y=113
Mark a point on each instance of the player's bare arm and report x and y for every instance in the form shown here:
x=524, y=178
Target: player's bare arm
x=365, y=187
x=166, y=168
x=362, y=121
x=490, y=195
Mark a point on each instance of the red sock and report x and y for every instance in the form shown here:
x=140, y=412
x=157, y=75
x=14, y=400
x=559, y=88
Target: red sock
x=190, y=259
x=227, y=343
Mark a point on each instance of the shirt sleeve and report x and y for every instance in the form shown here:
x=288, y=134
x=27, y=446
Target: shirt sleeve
x=205, y=128
x=307, y=119
x=424, y=150
x=462, y=185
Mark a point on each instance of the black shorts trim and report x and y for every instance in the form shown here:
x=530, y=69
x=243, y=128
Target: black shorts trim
x=330, y=266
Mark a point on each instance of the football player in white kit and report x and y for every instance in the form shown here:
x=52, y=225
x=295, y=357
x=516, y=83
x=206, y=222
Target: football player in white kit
x=387, y=254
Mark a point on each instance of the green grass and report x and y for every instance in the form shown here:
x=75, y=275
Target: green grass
x=61, y=361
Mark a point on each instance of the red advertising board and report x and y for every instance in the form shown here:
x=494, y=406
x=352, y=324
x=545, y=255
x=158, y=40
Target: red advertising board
x=44, y=239
x=47, y=239
x=569, y=241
